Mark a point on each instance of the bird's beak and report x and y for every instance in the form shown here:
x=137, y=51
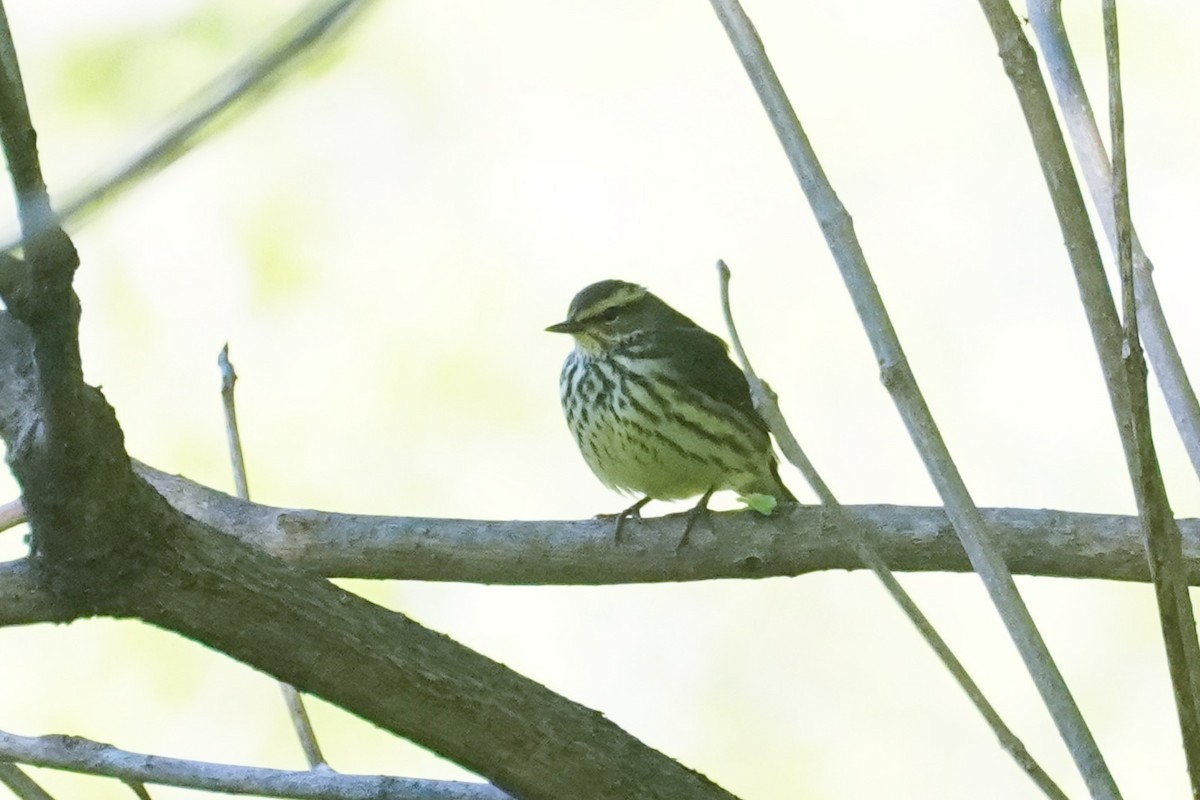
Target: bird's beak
x=567, y=326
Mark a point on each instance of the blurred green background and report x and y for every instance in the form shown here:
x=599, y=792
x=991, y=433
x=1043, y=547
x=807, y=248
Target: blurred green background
x=384, y=240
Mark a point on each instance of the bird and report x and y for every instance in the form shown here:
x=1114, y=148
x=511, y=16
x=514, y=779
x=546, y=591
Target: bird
x=656, y=405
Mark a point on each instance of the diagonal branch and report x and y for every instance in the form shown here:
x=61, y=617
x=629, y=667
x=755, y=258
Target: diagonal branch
x=1045, y=17
x=864, y=549
x=1159, y=529
x=243, y=83
x=21, y=785
x=898, y=378
x=1163, y=542
x=1151, y=326
x=374, y=663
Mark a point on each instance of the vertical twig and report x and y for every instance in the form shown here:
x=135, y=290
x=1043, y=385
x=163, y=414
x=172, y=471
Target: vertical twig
x=232, y=436
x=20, y=141
x=898, y=378
x=1045, y=17
x=295, y=703
x=1161, y=533
x=768, y=407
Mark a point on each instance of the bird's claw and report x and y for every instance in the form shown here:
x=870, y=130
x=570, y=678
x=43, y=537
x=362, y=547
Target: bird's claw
x=634, y=511
x=698, y=511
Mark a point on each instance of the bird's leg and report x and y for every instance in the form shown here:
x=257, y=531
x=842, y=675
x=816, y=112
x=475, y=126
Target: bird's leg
x=634, y=510
x=699, y=510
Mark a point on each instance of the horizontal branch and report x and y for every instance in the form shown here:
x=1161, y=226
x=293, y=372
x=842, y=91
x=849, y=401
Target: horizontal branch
x=82, y=755
x=794, y=541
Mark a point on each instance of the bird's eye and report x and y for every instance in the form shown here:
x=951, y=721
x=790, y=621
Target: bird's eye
x=609, y=315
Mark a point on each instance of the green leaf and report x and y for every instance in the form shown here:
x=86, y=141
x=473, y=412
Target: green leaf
x=762, y=503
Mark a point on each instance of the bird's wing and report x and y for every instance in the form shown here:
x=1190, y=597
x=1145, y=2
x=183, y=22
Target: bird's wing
x=701, y=360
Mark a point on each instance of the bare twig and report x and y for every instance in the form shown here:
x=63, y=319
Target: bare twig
x=1163, y=543
x=898, y=378
x=1045, y=17
x=12, y=514
x=139, y=789
x=21, y=785
x=768, y=407
x=19, y=140
x=245, y=81
x=233, y=437
x=301, y=724
x=95, y=758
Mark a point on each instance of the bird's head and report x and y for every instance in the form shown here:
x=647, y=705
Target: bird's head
x=610, y=313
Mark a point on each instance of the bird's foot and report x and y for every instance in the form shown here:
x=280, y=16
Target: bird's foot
x=698, y=511
x=634, y=511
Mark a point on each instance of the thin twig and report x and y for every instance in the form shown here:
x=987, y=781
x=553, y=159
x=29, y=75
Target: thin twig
x=768, y=407
x=1163, y=541
x=246, y=80
x=12, y=514
x=21, y=785
x=1045, y=17
x=232, y=436
x=94, y=758
x=20, y=140
x=295, y=703
x=139, y=789
x=898, y=378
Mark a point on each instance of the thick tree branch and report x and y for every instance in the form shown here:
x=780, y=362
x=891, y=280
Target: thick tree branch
x=368, y=660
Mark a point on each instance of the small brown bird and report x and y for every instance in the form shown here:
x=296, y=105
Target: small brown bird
x=656, y=404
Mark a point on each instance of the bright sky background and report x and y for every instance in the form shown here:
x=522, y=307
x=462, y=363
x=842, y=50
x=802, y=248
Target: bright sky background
x=384, y=240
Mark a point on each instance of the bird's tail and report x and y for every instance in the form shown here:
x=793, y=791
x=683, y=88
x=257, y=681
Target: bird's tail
x=781, y=492
x=771, y=484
